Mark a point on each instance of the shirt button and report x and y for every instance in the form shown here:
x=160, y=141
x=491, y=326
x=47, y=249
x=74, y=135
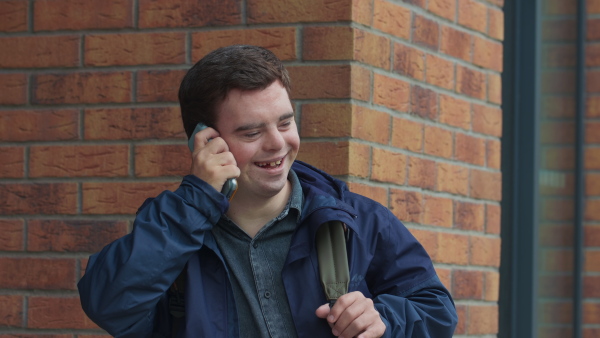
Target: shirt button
x=255, y=245
x=267, y=294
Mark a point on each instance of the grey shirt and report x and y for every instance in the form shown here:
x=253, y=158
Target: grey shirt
x=255, y=266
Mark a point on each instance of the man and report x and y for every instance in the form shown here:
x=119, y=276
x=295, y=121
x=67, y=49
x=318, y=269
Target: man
x=250, y=264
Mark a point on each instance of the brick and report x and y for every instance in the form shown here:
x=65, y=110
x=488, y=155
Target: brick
x=555, y=285
x=38, y=198
x=592, y=106
x=407, y=134
x=469, y=216
x=392, y=19
x=556, y=312
x=557, y=235
x=558, y=158
x=13, y=16
x=470, y=149
x=560, y=106
x=456, y=43
x=591, y=236
x=557, y=260
x=11, y=235
x=162, y=160
x=560, y=7
x=179, y=13
x=491, y=286
x=559, y=30
x=592, y=261
x=422, y=173
x=409, y=61
x=424, y=102
x=426, y=32
x=487, y=53
x=133, y=123
x=496, y=23
x=557, y=209
x=443, y=8
x=592, y=82
x=44, y=51
x=455, y=112
x=51, y=15
x=467, y=284
x=494, y=88
x=36, y=336
x=560, y=56
x=562, y=82
x=370, y=125
x=388, y=166
x=39, y=125
x=592, y=158
x=290, y=11
x=438, y=142
x=592, y=55
x=360, y=83
x=372, y=49
x=558, y=132
x=407, y=206
x=429, y=240
x=120, y=198
x=453, y=179
x=592, y=7
x=37, y=273
x=487, y=120
x=461, y=311
x=12, y=164
x=339, y=158
x=392, y=93
x=280, y=40
x=492, y=219
x=483, y=319
x=79, y=161
x=452, y=249
x=73, y=88
x=593, y=29
x=57, y=313
x=592, y=132
x=73, y=235
x=591, y=312
x=485, y=251
x=11, y=311
x=445, y=276
x=438, y=211
x=324, y=82
x=590, y=332
x=362, y=12
x=470, y=82
x=472, y=14
x=326, y=120
x=486, y=185
x=134, y=49
x=13, y=87
x=420, y=3
x=493, y=154
x=377, y=194
x=439, y=72
x=591, y=286
x=158, y=85
x=328, y=43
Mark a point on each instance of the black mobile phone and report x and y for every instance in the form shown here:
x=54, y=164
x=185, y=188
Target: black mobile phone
x=230, y=186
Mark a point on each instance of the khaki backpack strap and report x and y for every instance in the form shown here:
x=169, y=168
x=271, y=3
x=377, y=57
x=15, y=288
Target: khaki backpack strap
x=333, y=260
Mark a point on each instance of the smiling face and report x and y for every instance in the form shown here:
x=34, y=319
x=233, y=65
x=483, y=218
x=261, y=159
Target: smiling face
x=261, y=132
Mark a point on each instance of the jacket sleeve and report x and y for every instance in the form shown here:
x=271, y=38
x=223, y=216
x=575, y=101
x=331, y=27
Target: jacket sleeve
x=124, y=282
x=409, y=296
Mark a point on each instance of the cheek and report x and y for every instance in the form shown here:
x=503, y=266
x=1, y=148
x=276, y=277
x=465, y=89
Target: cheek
x=243, y=156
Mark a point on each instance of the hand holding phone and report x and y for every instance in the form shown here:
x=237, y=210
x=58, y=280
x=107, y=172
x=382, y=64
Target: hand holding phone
x=230, y=185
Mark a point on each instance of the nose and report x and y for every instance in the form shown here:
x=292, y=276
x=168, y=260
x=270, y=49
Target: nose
x=274, y=140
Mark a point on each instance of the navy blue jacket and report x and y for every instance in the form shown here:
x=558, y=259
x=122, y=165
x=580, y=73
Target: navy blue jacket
x=124, y=287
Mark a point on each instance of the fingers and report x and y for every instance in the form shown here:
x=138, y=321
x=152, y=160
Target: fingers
x=211, y=160
x=354, y=315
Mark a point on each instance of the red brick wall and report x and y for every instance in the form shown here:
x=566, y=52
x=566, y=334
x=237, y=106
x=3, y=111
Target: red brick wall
x=399, y=98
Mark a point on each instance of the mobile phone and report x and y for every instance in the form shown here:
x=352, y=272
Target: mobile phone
x=230, y=186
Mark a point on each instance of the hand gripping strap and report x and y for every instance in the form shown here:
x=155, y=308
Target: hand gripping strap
x=333, y=260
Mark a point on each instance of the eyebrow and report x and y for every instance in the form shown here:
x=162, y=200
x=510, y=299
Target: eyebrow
x=260, y=125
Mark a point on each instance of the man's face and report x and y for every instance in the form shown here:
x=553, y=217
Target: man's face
x=261, y=132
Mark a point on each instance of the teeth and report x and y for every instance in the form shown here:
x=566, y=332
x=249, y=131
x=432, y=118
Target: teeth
x=271, y=164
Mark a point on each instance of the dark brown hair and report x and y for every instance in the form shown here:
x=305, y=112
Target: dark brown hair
x=207, y=83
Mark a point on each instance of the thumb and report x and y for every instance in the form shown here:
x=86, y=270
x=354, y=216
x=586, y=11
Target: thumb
x=323, y=311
